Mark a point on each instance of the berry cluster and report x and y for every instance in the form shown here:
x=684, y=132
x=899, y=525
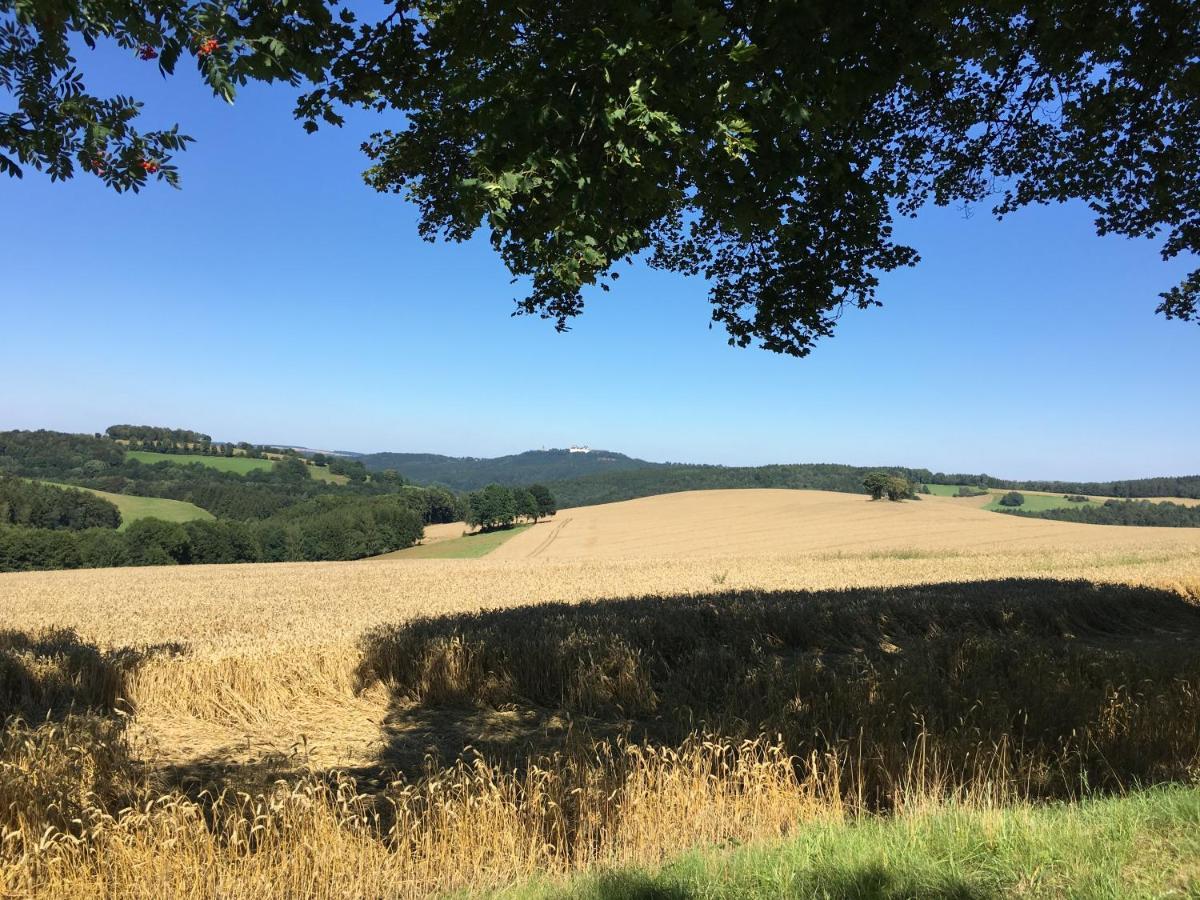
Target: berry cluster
x=207, y=46
x=147, y=52
x=150, y=166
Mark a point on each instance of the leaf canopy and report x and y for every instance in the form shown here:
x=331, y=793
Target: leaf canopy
x=766, y=146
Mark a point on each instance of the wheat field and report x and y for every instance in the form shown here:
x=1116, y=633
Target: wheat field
x=699, y=524
x=452, y=724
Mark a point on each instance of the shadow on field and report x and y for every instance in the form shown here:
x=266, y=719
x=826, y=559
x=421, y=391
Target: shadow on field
x=1044, y=687
x=52, y=674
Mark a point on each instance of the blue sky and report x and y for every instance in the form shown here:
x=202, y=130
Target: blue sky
x=278, y=299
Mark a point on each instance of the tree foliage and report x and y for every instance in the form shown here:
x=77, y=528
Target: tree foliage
x=46, y=506
x=1160, y=513
x=497, y=506
x=1013, y=498
x=765, y=146
x=139, y=433
x=323, y=528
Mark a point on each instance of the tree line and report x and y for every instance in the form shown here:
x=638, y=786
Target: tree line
x=157, y=433
x=497, y=506
x=323, y=528
x=37, y=505
x=1160, y=513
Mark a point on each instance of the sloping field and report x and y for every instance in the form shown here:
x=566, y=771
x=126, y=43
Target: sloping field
x=133, y=508
x=758, y=522
x=237, y=464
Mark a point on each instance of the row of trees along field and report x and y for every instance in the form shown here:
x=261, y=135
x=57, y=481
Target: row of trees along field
x=1122, y=512
x=497, y=506
x=323, y=528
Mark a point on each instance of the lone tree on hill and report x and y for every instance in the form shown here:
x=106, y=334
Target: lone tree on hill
x=1012, y=498
x=765, y=146
x=881, y=484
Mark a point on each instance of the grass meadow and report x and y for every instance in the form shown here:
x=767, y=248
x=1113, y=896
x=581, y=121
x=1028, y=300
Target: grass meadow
x=237, y=464
x=133, y=508
x=954, y=721
x=467, y=546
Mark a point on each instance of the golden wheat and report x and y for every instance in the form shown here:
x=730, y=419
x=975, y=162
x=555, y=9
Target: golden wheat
x=231, y=676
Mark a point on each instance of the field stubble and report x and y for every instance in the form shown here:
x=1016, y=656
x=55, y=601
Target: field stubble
x=403, y=727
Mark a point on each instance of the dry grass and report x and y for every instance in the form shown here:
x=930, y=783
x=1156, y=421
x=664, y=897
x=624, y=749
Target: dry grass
x=453, y=724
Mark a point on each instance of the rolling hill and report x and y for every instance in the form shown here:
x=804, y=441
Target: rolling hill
x=715, y=523
x=468, y=473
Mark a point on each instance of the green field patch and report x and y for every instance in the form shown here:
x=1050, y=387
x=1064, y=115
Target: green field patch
x=469, y=546
x=133, y=508
x=322, y=473
x=239, y=464
x=1038, y=502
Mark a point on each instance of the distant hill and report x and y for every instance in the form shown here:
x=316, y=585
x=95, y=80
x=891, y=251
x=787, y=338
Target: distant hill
x=610, y=487
x=468, y=473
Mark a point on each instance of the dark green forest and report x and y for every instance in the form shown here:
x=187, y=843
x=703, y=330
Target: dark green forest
x=323, y=528
x=45, y=506
x=1122, y=512
x=471, y=473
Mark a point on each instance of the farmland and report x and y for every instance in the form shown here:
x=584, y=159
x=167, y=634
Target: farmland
x=133, y=508
x=756, y=522
x=456, y=544
x=632, y=681
x=239, y=465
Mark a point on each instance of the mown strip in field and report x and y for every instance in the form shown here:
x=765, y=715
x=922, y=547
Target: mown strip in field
x=469, y=546
x=134, y=508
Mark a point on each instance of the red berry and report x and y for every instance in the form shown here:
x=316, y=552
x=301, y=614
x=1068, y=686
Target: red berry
x=147, y=52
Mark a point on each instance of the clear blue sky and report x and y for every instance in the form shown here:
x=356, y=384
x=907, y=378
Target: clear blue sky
x=277, y=299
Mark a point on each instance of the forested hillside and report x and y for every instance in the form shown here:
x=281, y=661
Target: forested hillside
x=467, y=473
x=277, y=513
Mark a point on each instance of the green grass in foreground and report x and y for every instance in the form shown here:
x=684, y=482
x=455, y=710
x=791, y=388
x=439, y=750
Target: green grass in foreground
x=1146, y=844
x=471, y=546
x=133, y=508
x=239, y=464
